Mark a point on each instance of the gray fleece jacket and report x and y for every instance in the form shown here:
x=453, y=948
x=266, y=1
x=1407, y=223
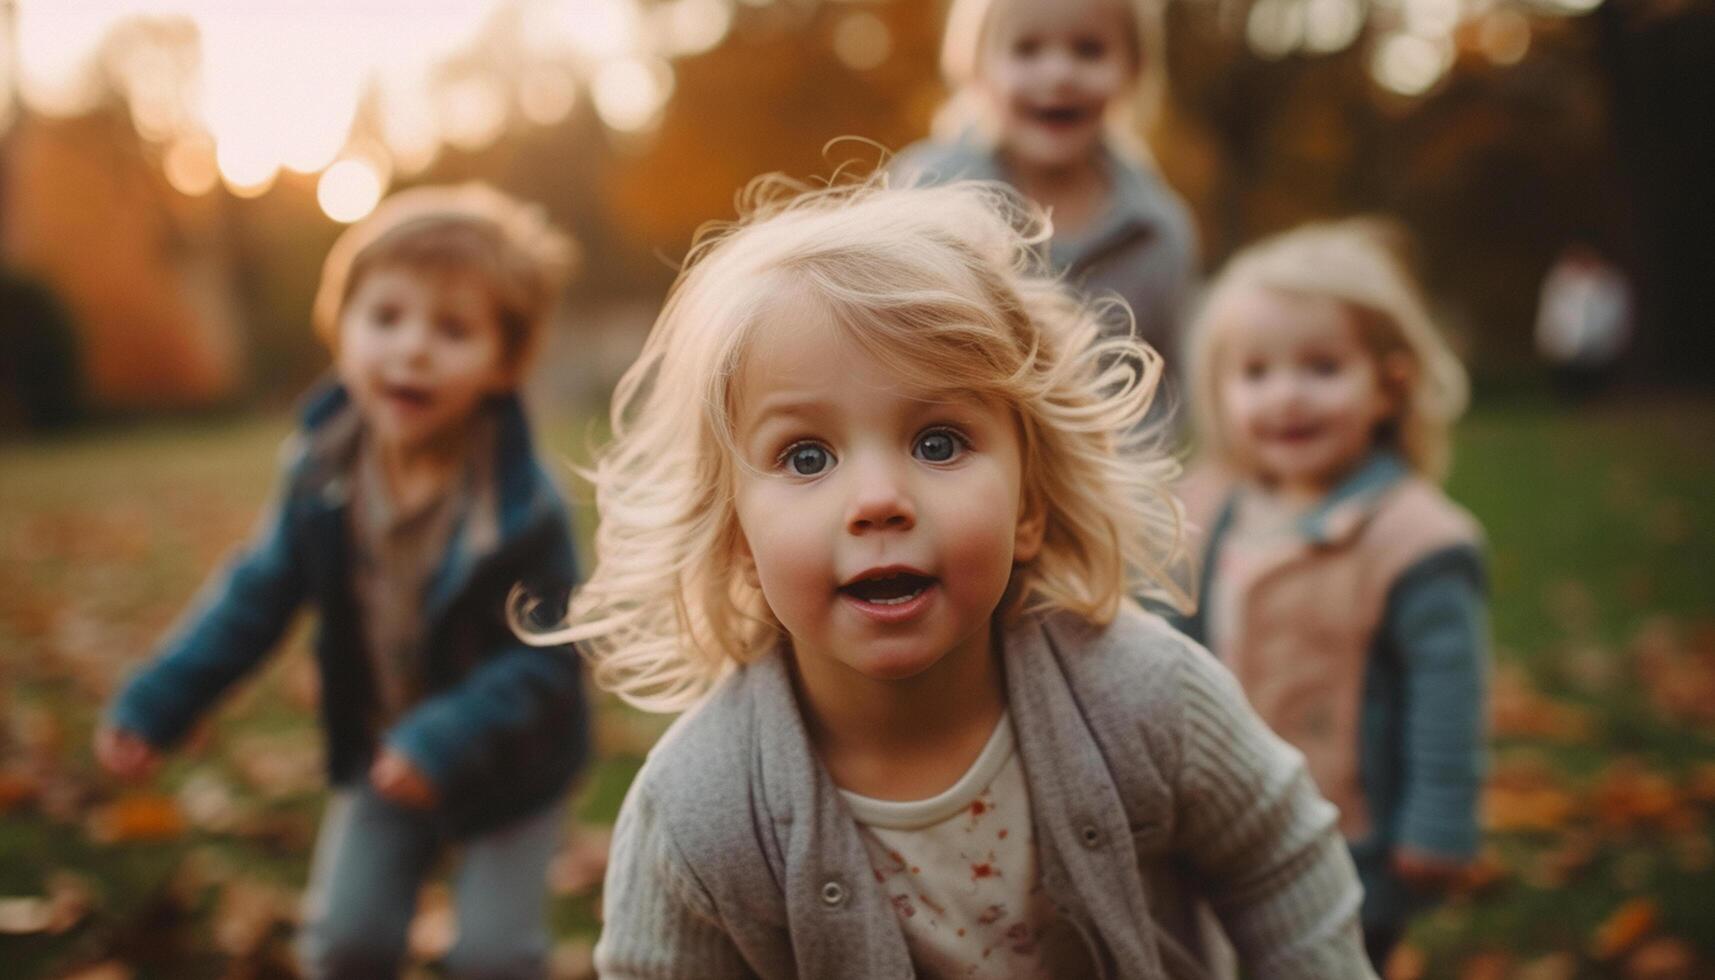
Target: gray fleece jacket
x=1152, y=786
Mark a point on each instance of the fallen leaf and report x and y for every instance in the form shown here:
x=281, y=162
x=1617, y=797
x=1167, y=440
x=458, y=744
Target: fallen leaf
x=17, y=789
x=69, y=899
x=25, y=916
x=1627, y=795
x=208, y=802
x=1541, y=809
x=246, y=915
x=1406, y=962
x=1624, y=928
x=1665, y=958
x=1554, y=966
x=1518, y=710
x=1486, y=966
x=137, y=817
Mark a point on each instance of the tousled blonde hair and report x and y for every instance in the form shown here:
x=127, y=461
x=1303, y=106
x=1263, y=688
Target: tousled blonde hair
x=465, y=229
x=965, y=43
x=942, y=285
x=1356, y=264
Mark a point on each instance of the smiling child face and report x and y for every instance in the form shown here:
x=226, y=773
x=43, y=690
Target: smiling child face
x=883, y=522
x=1301, y=394
x=1052, y=70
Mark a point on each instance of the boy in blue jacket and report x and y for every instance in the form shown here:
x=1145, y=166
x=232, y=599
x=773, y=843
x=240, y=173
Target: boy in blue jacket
x=411, y=505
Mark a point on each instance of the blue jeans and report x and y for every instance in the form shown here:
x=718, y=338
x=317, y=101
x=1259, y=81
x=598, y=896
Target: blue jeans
x=371, y=858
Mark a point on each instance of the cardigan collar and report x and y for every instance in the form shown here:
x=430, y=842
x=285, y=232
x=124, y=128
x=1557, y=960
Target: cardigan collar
x=1086, y=850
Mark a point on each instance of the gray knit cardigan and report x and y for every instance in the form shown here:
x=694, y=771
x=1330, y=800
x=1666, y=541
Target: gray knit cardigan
x=1152, y=786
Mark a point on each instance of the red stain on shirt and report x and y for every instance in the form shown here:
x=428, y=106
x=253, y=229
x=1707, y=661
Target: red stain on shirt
x=978, y=808
x=1002, y=834
x=983, y=870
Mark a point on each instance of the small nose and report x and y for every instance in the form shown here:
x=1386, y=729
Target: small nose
x=879, y=501
x=412, y=337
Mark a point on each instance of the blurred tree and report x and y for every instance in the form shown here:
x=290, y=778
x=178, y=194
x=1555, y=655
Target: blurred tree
x=39, y=383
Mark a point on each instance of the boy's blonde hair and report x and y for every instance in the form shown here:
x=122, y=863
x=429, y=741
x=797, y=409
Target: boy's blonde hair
x=941, y=285
x=965, y=43
x=468, y=229
x=1355, y=263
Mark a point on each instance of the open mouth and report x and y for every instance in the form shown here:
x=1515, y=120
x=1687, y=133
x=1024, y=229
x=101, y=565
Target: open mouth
x=408, y=395
x=888, y=588
x=1303, y=433
x=1059, y=116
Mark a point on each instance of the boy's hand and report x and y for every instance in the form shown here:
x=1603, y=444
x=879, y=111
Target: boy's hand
x=395, y=778
x=1426, y=872
x=124, y=754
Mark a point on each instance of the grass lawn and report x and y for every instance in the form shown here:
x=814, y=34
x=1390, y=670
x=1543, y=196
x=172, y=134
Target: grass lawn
x=1602, y=533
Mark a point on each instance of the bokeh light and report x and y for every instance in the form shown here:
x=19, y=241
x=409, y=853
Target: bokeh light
x=1431, y=18
x=629, y=93
x=349, y=189
x=1275, y=27
x=1331, y=25
x=190, y=167
x=473, y=111
x=689, y=27
x=862, y=41
x=1504, y=37
x=547, y=93
x=248, y=165
x=1409, y=64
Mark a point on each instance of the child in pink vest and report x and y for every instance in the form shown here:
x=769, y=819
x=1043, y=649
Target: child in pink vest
x=1339, y=583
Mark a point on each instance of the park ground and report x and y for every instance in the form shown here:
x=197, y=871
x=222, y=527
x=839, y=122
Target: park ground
x=1600, y=805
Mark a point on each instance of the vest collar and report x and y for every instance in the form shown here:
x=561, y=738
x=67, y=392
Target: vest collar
x=1354, y=500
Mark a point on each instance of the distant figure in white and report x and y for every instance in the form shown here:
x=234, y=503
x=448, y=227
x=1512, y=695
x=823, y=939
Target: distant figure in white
x=1583, y=321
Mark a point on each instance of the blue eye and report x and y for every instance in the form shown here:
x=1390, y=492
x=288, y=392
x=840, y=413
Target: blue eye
x=939, y=446
x=807, y=458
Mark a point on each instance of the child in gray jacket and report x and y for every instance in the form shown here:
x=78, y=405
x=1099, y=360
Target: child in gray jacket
x=875, y=506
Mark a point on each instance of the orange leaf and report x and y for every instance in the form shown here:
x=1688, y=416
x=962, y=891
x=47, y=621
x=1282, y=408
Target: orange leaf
x=1486, y=966
x=16, y=789
x=1543, y=808
x=1665, y=958
x=1406, y=962
x=138, y=817
x=1623, y=929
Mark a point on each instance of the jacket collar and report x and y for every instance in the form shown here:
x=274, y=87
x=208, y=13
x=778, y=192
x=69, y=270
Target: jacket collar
x=510, y=500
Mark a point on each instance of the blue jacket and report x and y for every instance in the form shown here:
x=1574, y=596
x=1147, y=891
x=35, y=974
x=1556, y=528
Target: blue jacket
x=502, y=727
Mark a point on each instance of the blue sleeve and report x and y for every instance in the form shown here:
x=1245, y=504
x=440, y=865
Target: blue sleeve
x=1438, y=624
x=517, y=688
x=236, y=621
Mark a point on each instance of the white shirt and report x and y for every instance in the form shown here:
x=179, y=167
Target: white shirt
x=960, y=871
